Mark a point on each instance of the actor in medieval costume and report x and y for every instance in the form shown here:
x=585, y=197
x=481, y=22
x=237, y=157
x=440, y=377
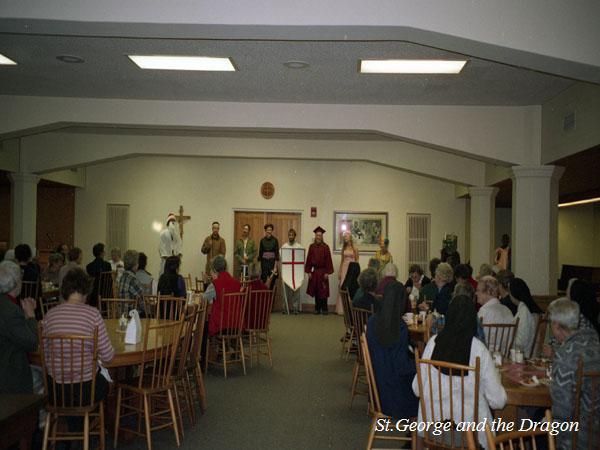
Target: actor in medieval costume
x=319, y=266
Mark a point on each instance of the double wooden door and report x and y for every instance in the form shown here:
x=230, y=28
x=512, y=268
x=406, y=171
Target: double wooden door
x=282, y=222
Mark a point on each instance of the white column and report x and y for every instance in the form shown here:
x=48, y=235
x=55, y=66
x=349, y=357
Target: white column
x=24, y=208
x=483, y=212
x=535, y=226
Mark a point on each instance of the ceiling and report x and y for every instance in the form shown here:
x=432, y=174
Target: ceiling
x=332, y=76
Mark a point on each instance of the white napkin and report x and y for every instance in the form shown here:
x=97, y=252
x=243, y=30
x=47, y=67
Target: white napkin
x=133, y=334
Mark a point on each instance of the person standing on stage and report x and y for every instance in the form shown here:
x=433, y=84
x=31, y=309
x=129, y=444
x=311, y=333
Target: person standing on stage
x=170, y=242
x=245, y=251
x=292, y=296
x=319, y=266
x=213, y=246
x=268, y=253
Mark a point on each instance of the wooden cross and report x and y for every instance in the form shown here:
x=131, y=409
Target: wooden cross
x=181, y=219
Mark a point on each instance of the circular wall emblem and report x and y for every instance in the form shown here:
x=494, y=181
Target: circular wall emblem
x=267, y=190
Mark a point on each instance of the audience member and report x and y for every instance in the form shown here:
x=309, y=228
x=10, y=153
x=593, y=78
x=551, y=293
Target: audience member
x=576, y=344
x=492, y=311
x=18, y=333
x=416, y=280
x=457, y=344
x=170, y=282
x=389, y=275
x=31, y=271
x=63, y=249
x=351, y=281
x=95, y=268
x=75, y=317
x=128, y=286
x=223, y=283
x=504, y=278
x=393, y=362
x=143, y=275
x=486, y=270
x=51, y=274
x=582, y=292
x=116, y=264
x=75, y=258
x=365, y=295
x=518, y=308
x=444, y=282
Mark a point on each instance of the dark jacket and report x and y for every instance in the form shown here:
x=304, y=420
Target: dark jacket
x=18, y=336
x=94, y=269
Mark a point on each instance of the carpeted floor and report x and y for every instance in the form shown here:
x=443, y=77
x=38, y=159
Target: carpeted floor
x=301, y=403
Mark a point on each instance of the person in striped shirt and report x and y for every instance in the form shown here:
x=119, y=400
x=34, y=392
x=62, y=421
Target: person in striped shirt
x=75, y=317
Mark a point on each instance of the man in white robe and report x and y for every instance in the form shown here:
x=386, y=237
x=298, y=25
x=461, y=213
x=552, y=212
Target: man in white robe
x=170, y=241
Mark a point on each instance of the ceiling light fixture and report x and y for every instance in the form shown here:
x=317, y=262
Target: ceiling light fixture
x=4, y=61
x=202, y=63
x=296, y=64
x=70, y=59
x=579, y=202
x=414, y=66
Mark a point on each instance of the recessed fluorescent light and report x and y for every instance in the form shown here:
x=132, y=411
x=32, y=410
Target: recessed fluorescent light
x=579, y=202
x=183, y=63
x=410, y=66
x=4, y=61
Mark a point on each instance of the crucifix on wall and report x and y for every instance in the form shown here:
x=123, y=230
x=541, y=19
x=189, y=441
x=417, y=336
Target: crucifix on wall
x=181, y=219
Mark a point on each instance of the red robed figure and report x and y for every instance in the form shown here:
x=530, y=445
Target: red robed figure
x=224, y=282
x=318, y=264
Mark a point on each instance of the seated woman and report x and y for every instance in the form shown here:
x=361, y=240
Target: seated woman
x=18, y=332
x=444, y=281
x=223, y=283
x=144, y=277
x=55, y=262
x=389, y=275
x=393, y=364
x=75, y=317
x=528, y=313
x=576, y=343
x=170, y=282
x=457, y=343
x=583, y=293
x=365, y=295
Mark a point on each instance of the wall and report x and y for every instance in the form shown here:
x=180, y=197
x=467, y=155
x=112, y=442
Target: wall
x=579, y=235
x=211, y=188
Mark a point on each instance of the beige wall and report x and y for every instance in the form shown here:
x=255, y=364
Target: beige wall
x=579, y=235
x=211, y=188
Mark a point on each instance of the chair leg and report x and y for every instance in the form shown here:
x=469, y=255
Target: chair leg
x=251, y=347
x=147, y=420
x=372, y=433
x=354, y=382
x=242, y=353
x=46, y=431
x=86, y=432
x=190, y=398
x=178, y=406
x=269, y=349
x=101, y=426
x=117, y=417
x=224, y=358
x=174, y=417
x=201, y=388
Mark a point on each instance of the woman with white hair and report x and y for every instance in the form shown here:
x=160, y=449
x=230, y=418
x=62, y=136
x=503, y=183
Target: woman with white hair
x=575, y=344
x=18, y=333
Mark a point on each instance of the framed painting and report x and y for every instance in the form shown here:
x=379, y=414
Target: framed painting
x=366, y=229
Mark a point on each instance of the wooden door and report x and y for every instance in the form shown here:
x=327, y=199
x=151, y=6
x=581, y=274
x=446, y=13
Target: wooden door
x=281, y=221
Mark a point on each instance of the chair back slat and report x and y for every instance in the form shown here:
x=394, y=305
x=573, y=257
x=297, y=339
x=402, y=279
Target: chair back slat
x=433, y=382
x=514, y=440
x=346, y=308
x=151, y=303
x=114, y=308
x=198, y=334
x=30, y=289
x=190, y=319
x=499, y=337
x=587, y=408
x=170, y=308
x=371, y=380
x=540, y=336
x=64, y=359
x=360, y=317
x=233, y=309
x=258, y=309
x=160, y=344
x=48, y=303
x=106, y=284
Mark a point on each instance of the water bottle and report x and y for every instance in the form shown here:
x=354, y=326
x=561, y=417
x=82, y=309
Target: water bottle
x=434, y=324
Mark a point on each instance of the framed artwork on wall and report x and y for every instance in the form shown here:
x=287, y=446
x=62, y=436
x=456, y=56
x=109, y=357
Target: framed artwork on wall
x=366, y=229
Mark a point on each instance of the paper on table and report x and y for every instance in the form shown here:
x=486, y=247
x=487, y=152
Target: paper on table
x=133, y=334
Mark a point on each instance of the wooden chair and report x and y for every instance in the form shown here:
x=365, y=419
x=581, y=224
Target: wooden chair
x=151, y=395
x=375, y=403
x=64, y=357
x=540, y=336
x=359, y=321
x=227, y=345
x=514, y=440
x=30, y=289
x=47, y=303
x=113, y=308
x=587, y=408
x=348, y=339
x=199, y=285
x=194, y=367
x=433, y=383
x=170, y=308
x=188, y=282
x=500, y=336
x=151, y=302
x=258, y=316
x=181, y=384
x=106, y=284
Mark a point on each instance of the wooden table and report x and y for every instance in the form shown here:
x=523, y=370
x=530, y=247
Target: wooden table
x=417, y=332
x=125, y=354
x=519, y=395
x=18, y=419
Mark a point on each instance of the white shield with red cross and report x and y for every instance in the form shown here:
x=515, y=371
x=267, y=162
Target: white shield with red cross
x=292, y=266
